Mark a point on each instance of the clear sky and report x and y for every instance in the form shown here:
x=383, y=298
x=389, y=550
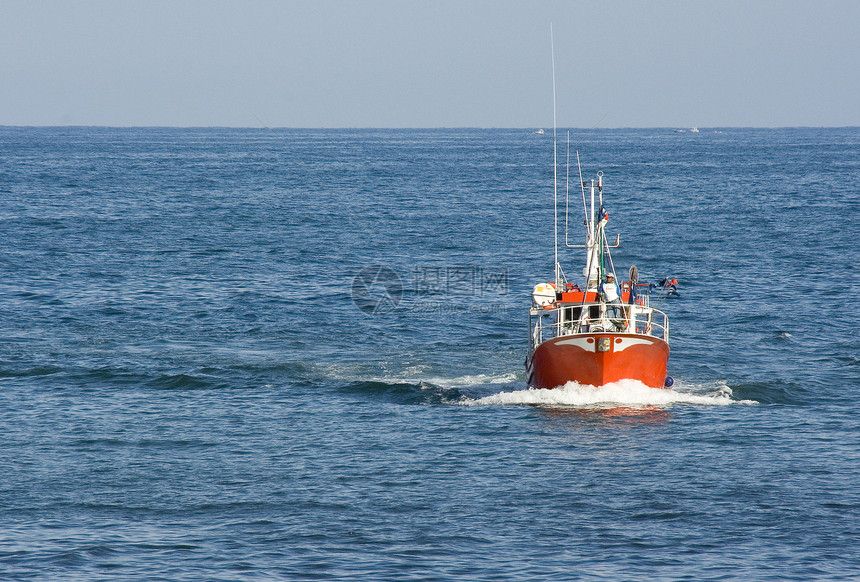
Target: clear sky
x=435, y=63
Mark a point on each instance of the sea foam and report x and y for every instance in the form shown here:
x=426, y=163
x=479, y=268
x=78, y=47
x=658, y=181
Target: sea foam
x=624, y=392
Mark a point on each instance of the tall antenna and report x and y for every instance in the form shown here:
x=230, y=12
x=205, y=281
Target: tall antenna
x=554, y=161
x=567, y=189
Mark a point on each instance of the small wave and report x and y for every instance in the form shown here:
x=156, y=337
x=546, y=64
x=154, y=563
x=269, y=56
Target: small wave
x=774, y=392
x=290, y=369
x=45, y=370
x=404, y=392
x=625, y=392
x=101, y=443
x=182, y=382
x=462, y=381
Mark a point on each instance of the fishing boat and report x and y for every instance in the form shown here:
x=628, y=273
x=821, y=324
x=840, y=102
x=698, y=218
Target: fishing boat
x=597, y=332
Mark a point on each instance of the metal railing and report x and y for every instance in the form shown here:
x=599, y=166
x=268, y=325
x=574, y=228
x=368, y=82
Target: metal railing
x=545, y=324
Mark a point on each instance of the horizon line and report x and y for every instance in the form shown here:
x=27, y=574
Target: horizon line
x=441, y=127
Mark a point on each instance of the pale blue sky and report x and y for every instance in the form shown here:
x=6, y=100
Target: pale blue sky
x=440, y=63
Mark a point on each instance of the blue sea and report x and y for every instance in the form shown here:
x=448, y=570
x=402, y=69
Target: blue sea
x=283, y=354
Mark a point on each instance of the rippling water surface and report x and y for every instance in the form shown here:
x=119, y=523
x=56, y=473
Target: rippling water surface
x=298, y=355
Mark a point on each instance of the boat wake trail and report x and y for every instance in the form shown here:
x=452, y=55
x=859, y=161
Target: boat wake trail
x=474, y=380
x=631, y=393
x=408, y=390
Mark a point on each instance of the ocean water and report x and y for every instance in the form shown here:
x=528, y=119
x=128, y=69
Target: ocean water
x=298, y=355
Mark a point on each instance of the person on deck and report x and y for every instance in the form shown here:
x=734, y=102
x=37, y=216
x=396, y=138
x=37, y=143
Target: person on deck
x=611, y=294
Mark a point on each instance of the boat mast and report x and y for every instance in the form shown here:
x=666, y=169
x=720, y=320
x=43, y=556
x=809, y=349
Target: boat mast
x=554, y=164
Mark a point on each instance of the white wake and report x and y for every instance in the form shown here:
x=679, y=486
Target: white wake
x=630, y=393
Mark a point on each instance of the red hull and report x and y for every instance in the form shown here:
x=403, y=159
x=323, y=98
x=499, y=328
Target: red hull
x=598, y=359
